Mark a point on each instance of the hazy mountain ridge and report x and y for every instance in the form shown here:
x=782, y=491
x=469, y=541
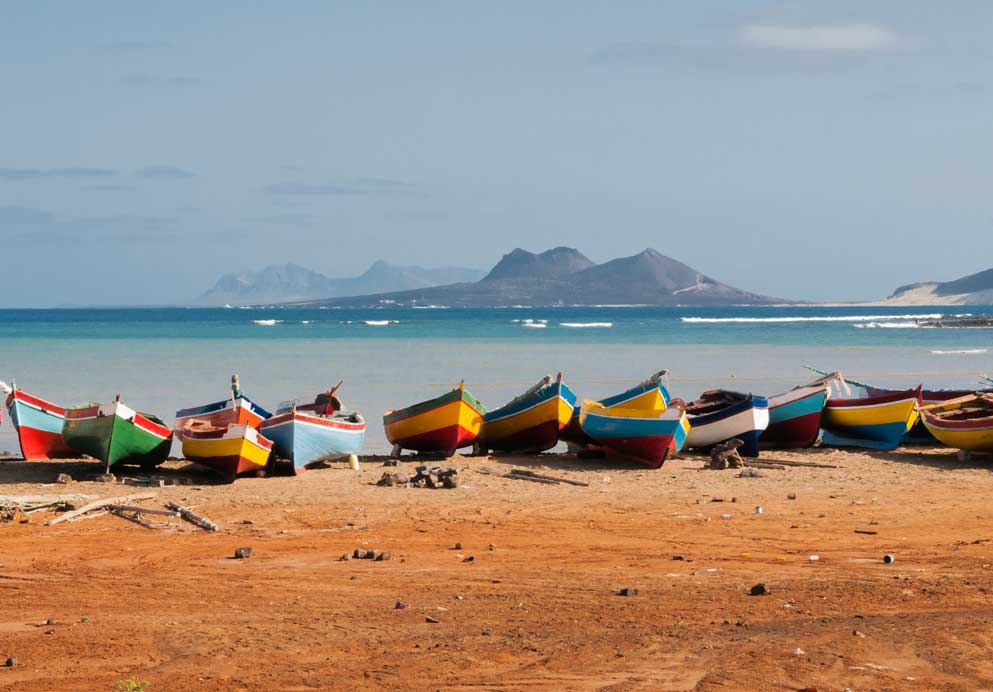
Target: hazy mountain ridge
x=974, y=289
x=293, y=283
x=564, y=276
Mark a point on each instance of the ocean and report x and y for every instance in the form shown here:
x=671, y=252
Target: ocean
x=160, y=360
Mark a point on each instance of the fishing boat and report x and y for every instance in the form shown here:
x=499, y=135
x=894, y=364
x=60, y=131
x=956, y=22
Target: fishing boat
x=861, y=417
x=38, y=424
x=116, y=434
x=443, y=425
x=919, y=434
x=236, y=410
x=648, y=436
x=316, y=430
x=532, y=421
x=720, y=415
x=963, y=423
x=650, y=394
x=230, y=450
x=795, y=417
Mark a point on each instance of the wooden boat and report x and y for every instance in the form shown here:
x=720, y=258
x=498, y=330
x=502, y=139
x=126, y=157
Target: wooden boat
x=720, y=415
x=237, y=410
x=863, y=419
x=38, y=424
x=230, y=450
x=795, y=417
x=650, y=394
x=919, y=434
x=531, y=422
x=648, y=436
x=319, y=430
x=963, y=423
x=444, y=424
x=116, y=434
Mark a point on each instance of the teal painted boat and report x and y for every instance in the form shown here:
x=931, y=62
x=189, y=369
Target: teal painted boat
x=116, y=434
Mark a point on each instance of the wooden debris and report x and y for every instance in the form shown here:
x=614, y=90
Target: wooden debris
x=725, y=455
x=99, y=504
x=754, y=463
x=192, y=517
x=808, y=464
x=145, y=510
x=532, y=474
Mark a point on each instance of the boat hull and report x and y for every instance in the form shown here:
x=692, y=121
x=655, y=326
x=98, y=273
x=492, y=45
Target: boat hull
x=229, y=451
x=39, y=427
x=965, y=424
x=874, y=422
x=920, y=434
x=306, y=439
x=532, y=425
x=652, y=396
x=745, y=420
x=116, y=434
x=441, y=425
x=646, y=436
x=795, y=417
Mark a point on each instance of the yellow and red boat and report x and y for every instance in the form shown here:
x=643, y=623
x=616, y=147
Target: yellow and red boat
x=963, y=423
x=877, y=420
x=532, y=421
x=229, y=451
x=443, y=424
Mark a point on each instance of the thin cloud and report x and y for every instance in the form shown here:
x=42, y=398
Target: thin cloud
x=372, y=187
x=849, y=38
x=157, y=80
x=164, y=172
x=71, y=172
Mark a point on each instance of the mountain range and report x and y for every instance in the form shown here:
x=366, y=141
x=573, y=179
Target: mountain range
x=974, y=289
x=564, y=276
x=293, y=283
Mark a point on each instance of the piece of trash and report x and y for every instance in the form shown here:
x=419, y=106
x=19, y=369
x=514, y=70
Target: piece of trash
x=400, y=605
x=759, y=589
x=813, y=558
x=242, y=553
x=468, y=559
x=866, y=532
x=430, y=620
x=888, y=559
x=759, y=510
x=791, y=496
x=708, y=570
x=798, y=651
x=856, y=633
x=627, y=592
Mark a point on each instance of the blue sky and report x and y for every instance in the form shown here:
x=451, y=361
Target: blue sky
x=809, y=150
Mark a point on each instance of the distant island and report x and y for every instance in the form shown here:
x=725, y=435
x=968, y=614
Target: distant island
x=564, y=276
x=290, y=283
x=975, y=289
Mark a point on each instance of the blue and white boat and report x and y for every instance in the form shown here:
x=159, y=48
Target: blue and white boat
x=719, y=415
x=650, y=394
x=311, y=432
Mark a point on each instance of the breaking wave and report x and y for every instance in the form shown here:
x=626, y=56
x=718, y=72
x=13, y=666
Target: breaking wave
x=380, y=323
x=887, y=325
x=842, y=318
x=267, y=323
x=964, y=351
x=583, y=325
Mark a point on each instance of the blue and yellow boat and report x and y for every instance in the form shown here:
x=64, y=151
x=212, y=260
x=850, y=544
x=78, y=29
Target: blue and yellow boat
x=875, y=420
x=648, y=436
x=531, y=422
x=648, y=395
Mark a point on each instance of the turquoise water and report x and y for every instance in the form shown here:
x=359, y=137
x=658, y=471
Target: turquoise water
x=160, y=360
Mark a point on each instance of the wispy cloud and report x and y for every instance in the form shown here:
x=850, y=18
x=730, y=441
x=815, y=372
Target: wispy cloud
x=158, y=80
x=164, y=172
x=39, y=227
x=71, y=172
x=847, y=38
x=374, y=187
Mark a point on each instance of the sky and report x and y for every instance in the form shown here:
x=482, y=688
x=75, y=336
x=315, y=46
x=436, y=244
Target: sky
x=806, y=150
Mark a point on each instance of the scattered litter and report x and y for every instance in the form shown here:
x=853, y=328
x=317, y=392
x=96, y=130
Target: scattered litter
x=430, y=620
x=888, y=559
x=725, y=516
x=678, y=557
x=400, y=605
x=813, y=558
x=469, y=559
x=856, y=633
x=798, y=651
x=759, y=510
x=242, y=553
x=627, y=592
x=866, y=532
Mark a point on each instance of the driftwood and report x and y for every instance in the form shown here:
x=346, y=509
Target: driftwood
x=99, y=504
x=144, y=510
x=533, y=479
x=192, y=517
x=36, y=499
x=772, y=466
x=808, y=464
x=725, y=455
x=532, y=474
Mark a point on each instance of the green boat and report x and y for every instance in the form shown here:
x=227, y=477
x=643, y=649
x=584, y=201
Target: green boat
x=116, y=434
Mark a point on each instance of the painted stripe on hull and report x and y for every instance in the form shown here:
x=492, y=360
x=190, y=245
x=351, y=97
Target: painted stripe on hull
x=978, y=439
x=881, y=436
x=534, y=429
x=745, y=425
x=443, y=440
x=864, y=423
x=793, y=433
x=431, y=430
x=538, y=438
x=115, y=434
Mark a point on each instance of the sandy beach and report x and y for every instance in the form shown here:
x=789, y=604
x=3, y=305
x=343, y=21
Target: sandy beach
x=529, y=601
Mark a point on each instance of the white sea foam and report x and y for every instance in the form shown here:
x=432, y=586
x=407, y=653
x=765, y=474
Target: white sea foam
x=529, y=321
x=429, y=307
x=833, y=318
x=887, y=325
x=267, y=323
x=964, y=351
x=534, y=325
x=583, y=325
x=381, y=323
